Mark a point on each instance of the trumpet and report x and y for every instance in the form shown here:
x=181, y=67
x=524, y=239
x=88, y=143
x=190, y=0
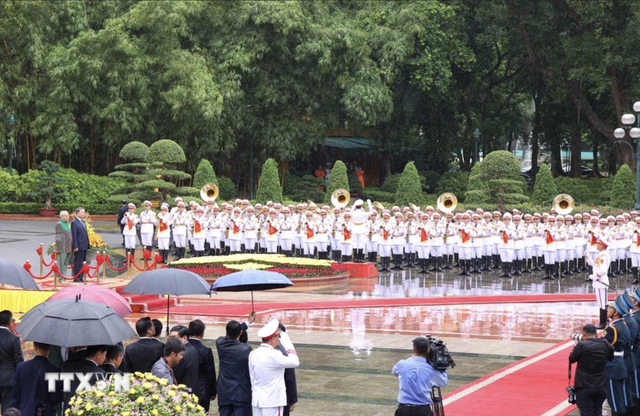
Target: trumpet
x=226, y=233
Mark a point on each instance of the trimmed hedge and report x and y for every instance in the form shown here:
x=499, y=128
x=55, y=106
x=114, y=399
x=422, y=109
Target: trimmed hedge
x=204, y=174
x=338, y=179
x=545, y=188
x=269, y=188
x=409, y=188
x=623, y=191
x=32, y=207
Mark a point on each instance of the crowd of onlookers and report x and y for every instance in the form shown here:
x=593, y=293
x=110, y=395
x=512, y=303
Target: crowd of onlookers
x=181, y=359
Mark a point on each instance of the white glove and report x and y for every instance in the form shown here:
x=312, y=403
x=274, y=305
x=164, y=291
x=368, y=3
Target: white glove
x=286, y=342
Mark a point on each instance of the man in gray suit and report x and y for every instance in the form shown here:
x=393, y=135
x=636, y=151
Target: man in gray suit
x=10, y=356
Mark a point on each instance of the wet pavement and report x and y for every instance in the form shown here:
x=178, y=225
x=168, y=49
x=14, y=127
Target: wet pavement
x=347, y=353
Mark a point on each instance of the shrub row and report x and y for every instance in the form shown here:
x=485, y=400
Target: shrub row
x=32, y=208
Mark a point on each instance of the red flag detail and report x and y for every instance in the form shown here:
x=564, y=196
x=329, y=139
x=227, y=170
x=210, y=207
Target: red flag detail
x=464, y=236
x=272, y=230
x=236, y=230
x=198, y=227
x=423, y=236
x=549, y=238
x=594, y=239
x=385, y=235
x=347, y=234
x=638, y=240
x=129, y=223
x=163, y=226
x=505, y=237
x=309, y=232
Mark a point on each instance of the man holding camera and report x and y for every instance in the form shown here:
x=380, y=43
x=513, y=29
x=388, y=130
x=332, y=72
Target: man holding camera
x=417, y=377
x=591, y=354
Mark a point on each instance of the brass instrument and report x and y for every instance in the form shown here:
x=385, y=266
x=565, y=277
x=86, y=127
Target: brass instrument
x=340, y=198
x=378, y=206
x=414, y=207
x=209, y=192
x=563, y=204
x=447, y=202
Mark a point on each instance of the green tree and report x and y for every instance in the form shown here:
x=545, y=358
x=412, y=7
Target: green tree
x=269, y=188
x=48, y=181
x=409, y=189
x=478, y=188
x=338, y=179
x=544, y=189
x=623, y=190
x=501, y=169
x=204, y=175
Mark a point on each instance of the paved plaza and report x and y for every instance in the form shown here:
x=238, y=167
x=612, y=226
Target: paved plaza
x=346, y=353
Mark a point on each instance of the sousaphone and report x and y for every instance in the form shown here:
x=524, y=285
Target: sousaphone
x=209, y=192
x=447, y=202
x=340, y=198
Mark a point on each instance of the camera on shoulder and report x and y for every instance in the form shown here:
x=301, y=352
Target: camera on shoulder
x=438, y=356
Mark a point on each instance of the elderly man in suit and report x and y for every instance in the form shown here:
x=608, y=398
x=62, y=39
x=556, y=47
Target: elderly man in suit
x=30, y=389
x=80, y=241
x=143, y=354
x=10, y=357
x=206, y=365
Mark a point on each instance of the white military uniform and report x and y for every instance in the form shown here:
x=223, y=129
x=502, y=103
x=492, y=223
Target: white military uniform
x=266, y=369
x=147, y=220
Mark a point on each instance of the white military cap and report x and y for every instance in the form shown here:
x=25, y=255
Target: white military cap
x=269, y=330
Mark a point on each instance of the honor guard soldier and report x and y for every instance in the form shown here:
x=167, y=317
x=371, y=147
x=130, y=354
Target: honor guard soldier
x=322, y=230
x=436, y=241
x=251, y=226
x=538, y=242
x=148, y=221
x=450, y=241
x=271, y=231
x=309, y=239
x=600, y=267
x=617, y=333
x=518, y=244
x=549, y=249
x=464, y=247
x=215, y=225
x=286, y=232
x=629, y=359
x=634, y=251
x=497, y=225
x=198, y=231
x=336, y=236
x=359, y=218
x=130, y=220
x=346, y=229
x=477, y=232
x=386, y=241
x=399, y=239
x=411, y=229
x=180, y=222
x=507, y=234
x=424, y=244
x=373, y=226
x=570, y=248
x=579, y=242
x=529, y=231
x=234, y=231
x=164, y=232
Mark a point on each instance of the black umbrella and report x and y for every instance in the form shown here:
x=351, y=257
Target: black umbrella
x=250, y=280
x=15, y=275
x=168, y=282
x=74, y=322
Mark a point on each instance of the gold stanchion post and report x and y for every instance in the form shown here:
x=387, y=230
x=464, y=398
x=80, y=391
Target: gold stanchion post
x=84, y=275
x=55, y=278
x=128, y=266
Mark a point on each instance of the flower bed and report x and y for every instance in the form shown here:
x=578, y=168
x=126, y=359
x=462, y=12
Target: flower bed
x=213, y=267
x=148, y=395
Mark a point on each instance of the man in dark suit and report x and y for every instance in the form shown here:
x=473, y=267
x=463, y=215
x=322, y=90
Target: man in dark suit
x=187, y=370
x=96, y=354
x=80, y=242
x=143, y=354
x=123, y=210
x=30, y=389
x=289, y=382
x=207, y=367
x=115, y=356
x=10, y=357
x=234, y=382
x=74, y=355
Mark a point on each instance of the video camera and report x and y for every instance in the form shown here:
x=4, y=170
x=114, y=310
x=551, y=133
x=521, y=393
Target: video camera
x=438, y=356
x=577, y=337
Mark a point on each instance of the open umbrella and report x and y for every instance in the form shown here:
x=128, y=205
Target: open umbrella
x=15, y=275
x=99, y=294
x=170, y=282
x=74, y=322
x=250, y=280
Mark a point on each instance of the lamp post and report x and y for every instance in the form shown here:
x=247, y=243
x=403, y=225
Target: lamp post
x=476, y=138
x=12, y=122
x=634, y=132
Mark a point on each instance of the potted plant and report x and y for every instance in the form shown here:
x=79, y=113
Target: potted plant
x=46, y=187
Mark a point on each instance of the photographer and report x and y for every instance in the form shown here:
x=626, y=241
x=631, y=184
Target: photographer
x=591, y=354
x=417, y=378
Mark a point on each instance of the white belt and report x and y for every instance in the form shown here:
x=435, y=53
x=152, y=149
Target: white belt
x=619, y=353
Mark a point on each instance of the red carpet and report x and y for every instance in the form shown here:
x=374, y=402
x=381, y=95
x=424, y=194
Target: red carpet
x=241, y=309
x=542, y=376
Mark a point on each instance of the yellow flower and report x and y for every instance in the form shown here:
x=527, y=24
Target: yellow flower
x=72, y=401
x=190, y=405
x=171, y=393
x=173, y=386
x=139, y=374
x=185, y=395
x=132, y=391
x=81, y=412
x=66, y=412
x=181, y=386
x=125, y=413
x=112, y=393
x=163, y=381
x=79, y=401
x=154, y=412
x=147, y=385
x=115, y=402
x=200, y=408
x=140, y=399
x=88, y=406
x=155, y=397
x=178, y=408
x=195, y=398
x=99, y=394
x=149, y=376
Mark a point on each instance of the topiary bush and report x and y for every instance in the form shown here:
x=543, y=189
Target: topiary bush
x=545, y=188
x=478, y=188
x=409, y=189
x=134, y=151
x=391, y=183
x=204, y=174
x=303, y=188
x=501, y=168
x=429, y=180
x=337, y=179
x=167, y=152
x=454, y=182
x=227, y=188
x=269, y=188
x=574, y=187
x=623, y=190
x=354, y=183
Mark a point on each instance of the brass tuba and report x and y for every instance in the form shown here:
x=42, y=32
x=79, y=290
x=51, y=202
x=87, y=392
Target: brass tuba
x=378, y=206
x=209, y=192
x=447, y=202
x=340, y=198
x=414, y=207
x=563, y=204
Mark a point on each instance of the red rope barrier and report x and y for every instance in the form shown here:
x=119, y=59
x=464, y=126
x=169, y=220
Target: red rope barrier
x=53, y=259
x=114, y=268
x=85, y=269
x=134, y=263
x=27, y=267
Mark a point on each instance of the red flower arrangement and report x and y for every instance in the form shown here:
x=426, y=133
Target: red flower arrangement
x=291, y=271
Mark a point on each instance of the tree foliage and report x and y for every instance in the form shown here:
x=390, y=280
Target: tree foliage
x=269, y=188
x=544, y=189
x=204, y=175
x=623, y=190
x=338, y=179
x=501, y=169
x=409, y=189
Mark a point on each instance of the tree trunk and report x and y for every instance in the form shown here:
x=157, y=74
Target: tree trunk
x=613, y=161
x=535, y=131
x=623, y=154
x=556, y=161
x=576, y=161
x=596, y=169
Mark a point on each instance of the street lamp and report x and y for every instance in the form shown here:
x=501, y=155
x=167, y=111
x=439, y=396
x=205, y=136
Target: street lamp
x=12, y=122
x=634, y=132
x=476, y=138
